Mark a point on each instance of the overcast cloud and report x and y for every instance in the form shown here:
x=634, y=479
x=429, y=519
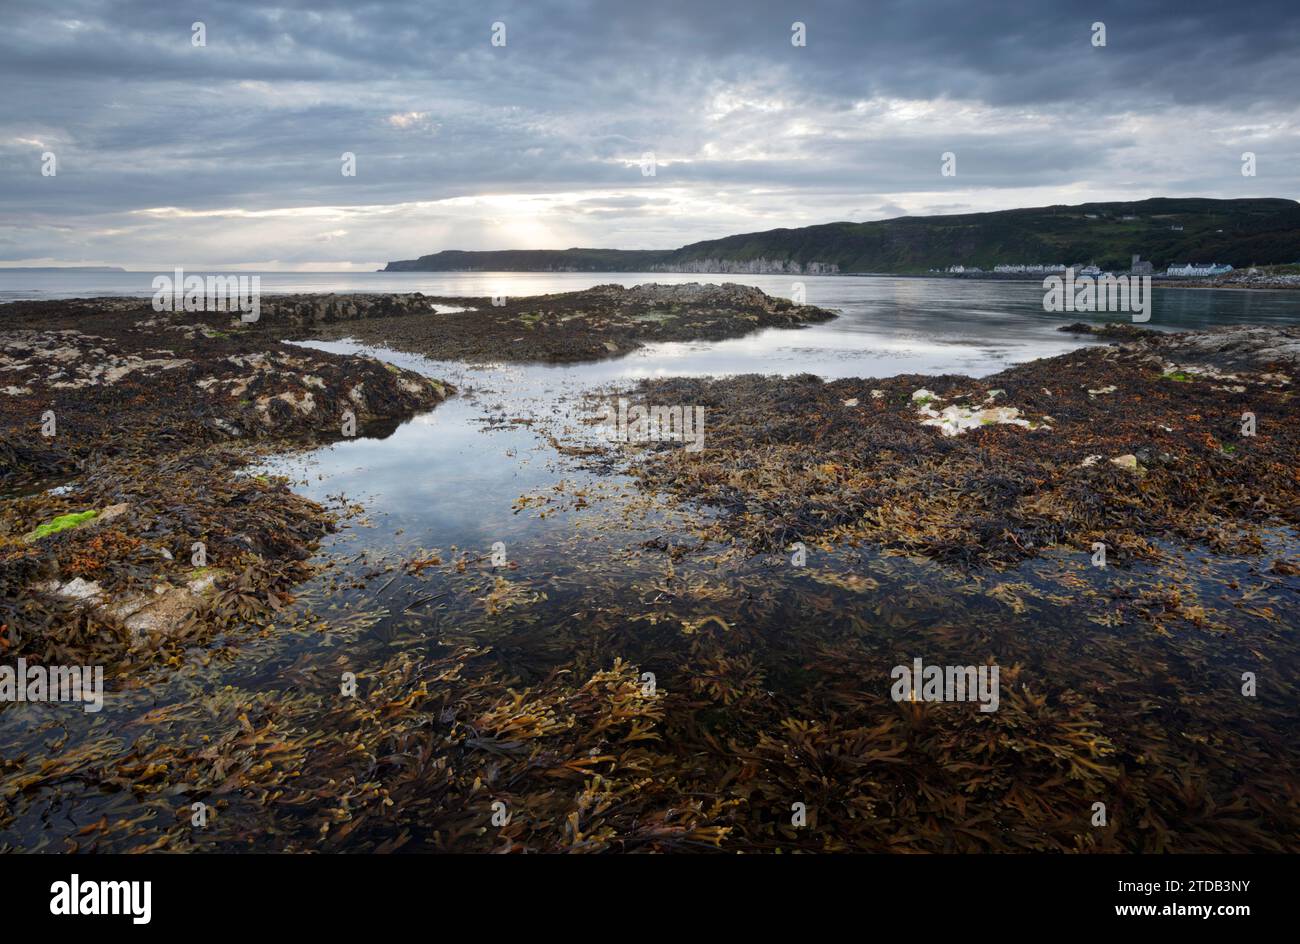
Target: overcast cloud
x=229, y=154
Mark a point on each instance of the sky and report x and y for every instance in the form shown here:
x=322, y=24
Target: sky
x=230, y=153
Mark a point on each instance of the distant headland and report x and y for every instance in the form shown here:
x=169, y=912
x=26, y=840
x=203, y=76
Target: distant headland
x=1166, y=231
x=62, y=269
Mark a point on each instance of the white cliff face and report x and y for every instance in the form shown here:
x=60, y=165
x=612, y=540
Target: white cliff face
x=750, y=267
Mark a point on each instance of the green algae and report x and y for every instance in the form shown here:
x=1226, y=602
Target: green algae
x=61, y=523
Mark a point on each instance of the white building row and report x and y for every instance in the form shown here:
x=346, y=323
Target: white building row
x=1201, y=269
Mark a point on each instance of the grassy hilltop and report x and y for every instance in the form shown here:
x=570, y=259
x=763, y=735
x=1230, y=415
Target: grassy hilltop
x=1240, y=232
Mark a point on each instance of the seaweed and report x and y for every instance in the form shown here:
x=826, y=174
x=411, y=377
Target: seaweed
x=654, y=675
x=155, y=416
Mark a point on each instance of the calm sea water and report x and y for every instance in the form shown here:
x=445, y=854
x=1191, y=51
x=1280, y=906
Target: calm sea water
x=888, y=325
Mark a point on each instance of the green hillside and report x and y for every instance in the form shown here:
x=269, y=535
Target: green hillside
x=1240, y=232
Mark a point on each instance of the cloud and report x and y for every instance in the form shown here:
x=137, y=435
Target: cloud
x=231, y=152
x=411, y=120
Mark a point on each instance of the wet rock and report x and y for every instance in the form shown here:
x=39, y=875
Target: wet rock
x=139, y=612
x=226, y=426
x=1236, y=347
x=603, y=321
x=1109, y=332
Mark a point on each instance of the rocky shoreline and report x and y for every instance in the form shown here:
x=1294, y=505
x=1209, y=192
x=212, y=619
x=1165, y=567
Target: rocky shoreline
x=944, y=515
x=1131, y=445
x=1240, y=279
x=128, y=533
x=594, y=324
x=1127, y=445
x=128, y=530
